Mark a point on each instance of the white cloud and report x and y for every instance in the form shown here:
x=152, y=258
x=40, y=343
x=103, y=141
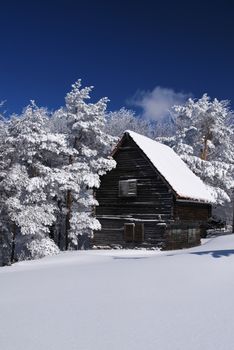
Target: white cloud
x=156, y=104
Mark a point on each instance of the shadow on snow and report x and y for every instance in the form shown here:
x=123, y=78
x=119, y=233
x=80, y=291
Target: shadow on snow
x=129, y=257
x=212, y=253
x=216, y=253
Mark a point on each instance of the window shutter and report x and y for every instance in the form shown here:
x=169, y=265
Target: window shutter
x=139, y=233
x=123, y=188
x=129, y=232
x=132, y=187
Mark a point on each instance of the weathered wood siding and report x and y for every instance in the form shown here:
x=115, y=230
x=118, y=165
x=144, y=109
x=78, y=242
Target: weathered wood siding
x=112, y=232
x=192, y=211
x=152, y=205
x=168, y=222
x=182, y=234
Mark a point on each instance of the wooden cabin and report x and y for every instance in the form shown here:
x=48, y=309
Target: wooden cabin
x=150, y=199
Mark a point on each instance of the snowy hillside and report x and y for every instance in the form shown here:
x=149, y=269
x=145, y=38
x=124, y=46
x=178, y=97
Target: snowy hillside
x=177, y=300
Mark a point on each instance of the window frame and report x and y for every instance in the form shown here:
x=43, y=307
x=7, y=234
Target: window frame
x=130, y=192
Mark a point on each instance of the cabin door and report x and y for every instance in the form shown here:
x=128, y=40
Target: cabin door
x=134, y=232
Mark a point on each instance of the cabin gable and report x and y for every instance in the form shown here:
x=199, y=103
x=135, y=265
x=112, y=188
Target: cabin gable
x=153, y=195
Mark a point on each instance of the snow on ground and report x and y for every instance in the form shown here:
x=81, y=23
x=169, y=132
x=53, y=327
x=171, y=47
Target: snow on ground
x=177, y=300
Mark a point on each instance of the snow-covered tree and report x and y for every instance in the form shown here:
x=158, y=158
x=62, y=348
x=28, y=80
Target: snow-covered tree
x=49, y=165
x=5, y=237
x=28, y=175
x=204, y=139
x=206, y=125
x=125, y=119
x=83, y=123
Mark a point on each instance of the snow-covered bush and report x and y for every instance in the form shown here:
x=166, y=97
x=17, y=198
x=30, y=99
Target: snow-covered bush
x=36, y=248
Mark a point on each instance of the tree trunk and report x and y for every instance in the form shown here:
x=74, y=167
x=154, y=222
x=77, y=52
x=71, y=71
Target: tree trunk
x=59, y=224
x=204, y=152
x=13, y=242
x=68, y=216
x=69, y=204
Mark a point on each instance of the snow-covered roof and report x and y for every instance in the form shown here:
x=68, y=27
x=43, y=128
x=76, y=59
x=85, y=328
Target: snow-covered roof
x=173, y=169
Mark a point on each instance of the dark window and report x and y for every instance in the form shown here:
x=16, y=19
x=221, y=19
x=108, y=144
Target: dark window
x=134, y=232
x=128, y=188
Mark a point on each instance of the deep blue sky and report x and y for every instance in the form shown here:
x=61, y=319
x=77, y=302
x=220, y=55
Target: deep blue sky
x=117, y=46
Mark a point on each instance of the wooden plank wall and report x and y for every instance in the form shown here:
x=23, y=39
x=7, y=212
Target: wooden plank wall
x=154, y=199
x=192, y=211
x=113, y=233
x=155, y=204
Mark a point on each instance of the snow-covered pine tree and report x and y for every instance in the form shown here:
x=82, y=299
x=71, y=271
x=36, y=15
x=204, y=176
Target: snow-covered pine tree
x=5, y=233
x=29, y=180
x=83, y=123
x=204, y=140
x=124, y=119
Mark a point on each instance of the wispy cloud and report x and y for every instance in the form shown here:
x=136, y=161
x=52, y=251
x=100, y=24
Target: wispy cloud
x=156, y=104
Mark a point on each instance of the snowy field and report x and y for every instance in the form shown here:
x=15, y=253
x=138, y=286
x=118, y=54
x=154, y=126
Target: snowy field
x=121, y=300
